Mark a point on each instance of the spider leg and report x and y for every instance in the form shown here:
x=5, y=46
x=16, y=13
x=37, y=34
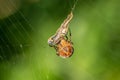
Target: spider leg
x=69, y=34
x=55, y=47
x=66, y=37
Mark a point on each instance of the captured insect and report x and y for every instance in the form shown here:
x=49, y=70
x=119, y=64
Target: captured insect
x=61, y=32
x=60, y=41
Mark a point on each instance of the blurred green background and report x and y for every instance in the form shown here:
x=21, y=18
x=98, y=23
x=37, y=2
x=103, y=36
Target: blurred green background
x=26, y=25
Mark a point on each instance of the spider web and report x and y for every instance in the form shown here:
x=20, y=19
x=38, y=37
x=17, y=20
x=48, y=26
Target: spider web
x=25, y=54
x=23, y=40
x=15, y=33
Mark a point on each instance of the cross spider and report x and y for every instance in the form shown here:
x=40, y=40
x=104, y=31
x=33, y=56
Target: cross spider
x=64, y=48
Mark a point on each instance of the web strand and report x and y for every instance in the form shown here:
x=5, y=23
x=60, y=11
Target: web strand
x=20, y=24
x=9, y=35
x=74, y=5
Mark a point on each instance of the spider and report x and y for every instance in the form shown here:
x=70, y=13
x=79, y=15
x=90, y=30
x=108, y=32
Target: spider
x=60, y=41
x=64, y=48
